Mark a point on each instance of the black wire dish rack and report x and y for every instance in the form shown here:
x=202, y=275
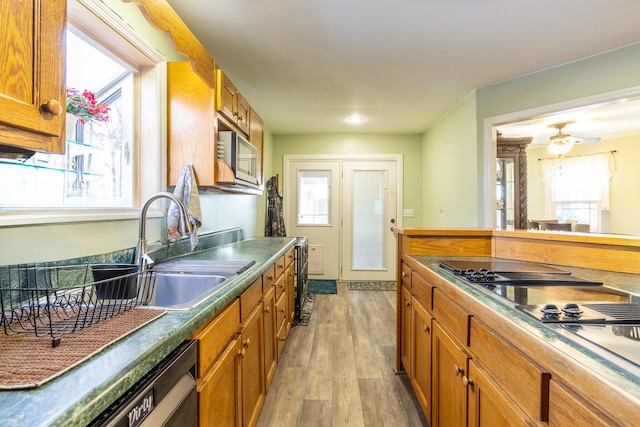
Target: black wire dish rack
x=58, y=300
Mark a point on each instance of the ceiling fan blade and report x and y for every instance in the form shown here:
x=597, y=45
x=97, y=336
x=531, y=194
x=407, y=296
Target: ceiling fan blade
x=579, y=140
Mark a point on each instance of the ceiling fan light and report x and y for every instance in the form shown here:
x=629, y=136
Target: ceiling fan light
x=559, y=148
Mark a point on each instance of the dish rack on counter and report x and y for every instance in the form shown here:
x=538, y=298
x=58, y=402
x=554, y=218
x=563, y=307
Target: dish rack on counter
x=58, y=300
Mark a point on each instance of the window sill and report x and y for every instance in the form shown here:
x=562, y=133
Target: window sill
x=15, y=217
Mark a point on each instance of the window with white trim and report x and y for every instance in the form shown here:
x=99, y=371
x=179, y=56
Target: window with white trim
x=96, y=170
x=99, y=175
x=577, y=188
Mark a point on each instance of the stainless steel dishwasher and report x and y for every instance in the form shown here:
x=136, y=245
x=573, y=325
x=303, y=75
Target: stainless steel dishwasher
x=166, y=396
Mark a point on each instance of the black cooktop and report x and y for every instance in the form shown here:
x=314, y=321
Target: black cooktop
x=499, y=266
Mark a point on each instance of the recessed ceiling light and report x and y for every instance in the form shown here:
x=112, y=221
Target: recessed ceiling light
x=355, y=119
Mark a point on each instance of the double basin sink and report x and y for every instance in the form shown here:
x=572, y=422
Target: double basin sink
x=183, y=284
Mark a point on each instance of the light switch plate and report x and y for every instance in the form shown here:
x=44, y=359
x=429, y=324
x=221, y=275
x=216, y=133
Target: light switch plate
x=407, y=213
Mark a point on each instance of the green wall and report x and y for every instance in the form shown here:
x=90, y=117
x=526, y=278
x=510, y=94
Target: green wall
x=409, y=145
x=609, y=72
x=450, y=169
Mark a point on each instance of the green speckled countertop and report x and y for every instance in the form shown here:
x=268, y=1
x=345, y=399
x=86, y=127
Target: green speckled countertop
x=617, y=371
x=78, y=396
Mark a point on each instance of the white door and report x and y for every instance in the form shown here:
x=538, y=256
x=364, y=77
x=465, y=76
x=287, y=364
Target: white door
x=311, y=198
x=346, y=207
x=369, y=211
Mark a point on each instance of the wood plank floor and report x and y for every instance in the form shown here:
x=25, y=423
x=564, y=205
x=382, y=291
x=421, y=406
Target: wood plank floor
x=338, y=370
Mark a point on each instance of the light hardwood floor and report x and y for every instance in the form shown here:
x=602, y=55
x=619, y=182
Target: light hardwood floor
x=338, y=370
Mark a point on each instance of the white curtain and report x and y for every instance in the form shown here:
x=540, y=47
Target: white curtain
x=578, y=178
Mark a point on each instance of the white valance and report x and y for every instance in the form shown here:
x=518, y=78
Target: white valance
x=578, y=178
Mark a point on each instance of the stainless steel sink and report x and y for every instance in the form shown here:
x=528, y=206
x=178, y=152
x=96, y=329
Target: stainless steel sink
x=204, y=266
x=180, y=291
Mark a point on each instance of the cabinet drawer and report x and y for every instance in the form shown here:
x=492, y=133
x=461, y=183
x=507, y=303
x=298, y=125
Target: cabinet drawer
x=215, y=335
x=280, y=266
x=268, y=277
x=422, y=291
x=250, y=299
x=517, y=375
x=281, y=311
x=281, y=285
x=451, y=316
x=406, y=275
x=289, y=257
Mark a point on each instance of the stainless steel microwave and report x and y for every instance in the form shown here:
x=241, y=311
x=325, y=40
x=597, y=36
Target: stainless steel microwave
x=240, y=155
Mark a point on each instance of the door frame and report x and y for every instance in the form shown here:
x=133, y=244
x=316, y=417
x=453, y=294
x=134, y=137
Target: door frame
x=289, y=197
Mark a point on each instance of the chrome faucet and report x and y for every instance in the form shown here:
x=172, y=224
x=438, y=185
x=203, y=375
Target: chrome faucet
x=144, y=260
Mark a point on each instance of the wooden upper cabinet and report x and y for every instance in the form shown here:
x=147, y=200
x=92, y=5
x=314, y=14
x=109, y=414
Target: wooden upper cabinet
x=226, y=96
x=191, y=131
x=230, y=102
x=32, y=91
x=244, y=113
x=256, y=137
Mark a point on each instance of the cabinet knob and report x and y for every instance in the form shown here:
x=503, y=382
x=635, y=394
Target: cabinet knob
x=408, y=304
x=466, y=381
x=270, y=277
x=247, y=343
x=404, y=274
x=242, y=352
x=53, y=107
x=457, y=370
x=266, y=309
x=426, y=328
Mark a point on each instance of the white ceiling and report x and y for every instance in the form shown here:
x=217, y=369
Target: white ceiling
x=401, y=64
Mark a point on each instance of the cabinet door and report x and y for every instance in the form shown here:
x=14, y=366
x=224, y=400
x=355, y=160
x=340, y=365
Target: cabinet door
x=256, y=137
x=253, y=386
x=449, y=396
x=226, y=98
x=421, y=357
x=190, y=125
x=32, y=91
x=405, y=341
x=270, y=343
x=290, y=279
x=489, y=406
x=243, y=111
x=219, y=392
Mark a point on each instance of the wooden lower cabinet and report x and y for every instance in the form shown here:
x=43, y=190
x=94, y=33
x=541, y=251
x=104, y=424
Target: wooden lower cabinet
x=405, y=342
x=489, y=406
x=219, y=399
x=448, y=394
x=290, y=280
x=281, y=322
x=252, y=355
x=421, y=357
x=270, y=343
x=568, y=409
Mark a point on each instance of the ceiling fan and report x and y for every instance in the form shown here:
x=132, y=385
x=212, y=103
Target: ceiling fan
x=560, y=143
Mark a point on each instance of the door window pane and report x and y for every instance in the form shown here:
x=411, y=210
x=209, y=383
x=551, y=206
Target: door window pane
x=313, y=197
x=369, y=194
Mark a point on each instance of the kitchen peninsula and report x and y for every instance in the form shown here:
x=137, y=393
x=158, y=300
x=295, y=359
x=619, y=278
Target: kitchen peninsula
x=473, y=357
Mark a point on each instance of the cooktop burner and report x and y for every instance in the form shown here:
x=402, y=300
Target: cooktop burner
x=517, y=273
x=590, y=313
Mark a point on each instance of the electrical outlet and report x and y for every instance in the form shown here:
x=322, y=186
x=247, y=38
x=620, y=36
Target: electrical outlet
x=407, y=213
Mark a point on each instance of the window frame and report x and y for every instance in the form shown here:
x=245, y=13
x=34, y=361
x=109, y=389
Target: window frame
x=97, y=21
